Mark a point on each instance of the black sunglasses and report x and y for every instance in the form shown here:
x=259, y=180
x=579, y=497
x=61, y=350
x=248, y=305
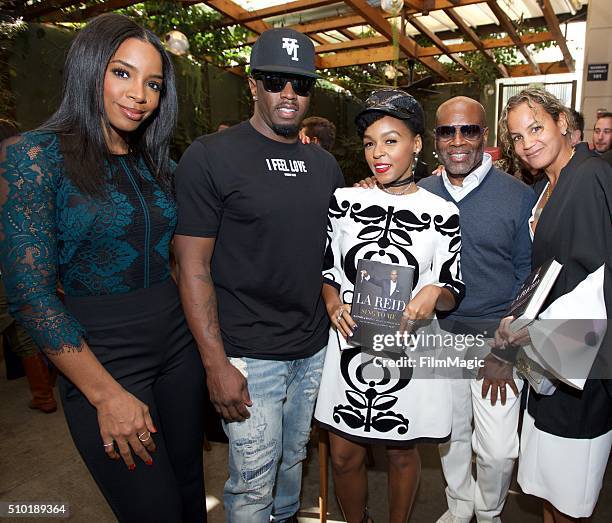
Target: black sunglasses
x=468, y=131
x=275, y=83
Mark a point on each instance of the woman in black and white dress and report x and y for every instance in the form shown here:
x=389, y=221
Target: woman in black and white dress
x=567, y=432
x=395, y=223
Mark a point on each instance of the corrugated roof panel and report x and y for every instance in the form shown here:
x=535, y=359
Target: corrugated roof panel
x=473, y=15
x=254, y=5
x=336, y=36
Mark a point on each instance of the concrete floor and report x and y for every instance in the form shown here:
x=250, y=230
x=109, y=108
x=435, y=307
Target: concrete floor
x=38, y=462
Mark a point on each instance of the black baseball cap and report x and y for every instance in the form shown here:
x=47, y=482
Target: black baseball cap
x=284, y=51
x=396, y=103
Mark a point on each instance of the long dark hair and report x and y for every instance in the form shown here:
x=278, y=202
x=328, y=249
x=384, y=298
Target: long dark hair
x=81, y=118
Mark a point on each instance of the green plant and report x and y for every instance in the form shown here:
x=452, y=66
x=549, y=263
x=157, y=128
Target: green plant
x=8, y=30
x=200, y=23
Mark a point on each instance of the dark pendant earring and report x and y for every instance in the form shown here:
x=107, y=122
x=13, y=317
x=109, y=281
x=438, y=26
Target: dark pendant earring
x=415, y=161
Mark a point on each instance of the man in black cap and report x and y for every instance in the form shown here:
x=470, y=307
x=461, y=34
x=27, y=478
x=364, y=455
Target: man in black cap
x=250, y=241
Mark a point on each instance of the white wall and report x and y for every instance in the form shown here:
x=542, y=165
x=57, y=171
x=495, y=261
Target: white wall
x=598, y=50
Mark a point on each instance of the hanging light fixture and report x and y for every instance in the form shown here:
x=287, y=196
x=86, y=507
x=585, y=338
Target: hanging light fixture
x=393, y=7
x=176, y=43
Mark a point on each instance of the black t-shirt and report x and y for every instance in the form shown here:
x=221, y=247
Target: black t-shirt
x=266, y=204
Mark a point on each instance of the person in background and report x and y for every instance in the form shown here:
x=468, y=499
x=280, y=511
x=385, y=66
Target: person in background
x=87, y=201
x=566, y=433
x=16, y=339
x=602, y=133
x=386, y=407
x=226, y=124
x=320, y=131
x=250, y=243
x=578, y=126
x=495, y=259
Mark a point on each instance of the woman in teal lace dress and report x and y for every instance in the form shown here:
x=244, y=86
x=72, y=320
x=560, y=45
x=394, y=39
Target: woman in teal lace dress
x=86, y=202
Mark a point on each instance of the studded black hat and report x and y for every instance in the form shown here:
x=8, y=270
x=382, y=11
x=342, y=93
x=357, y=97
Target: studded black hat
x=398, y=104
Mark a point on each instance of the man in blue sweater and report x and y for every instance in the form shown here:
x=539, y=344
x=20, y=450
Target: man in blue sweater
x=495, y=259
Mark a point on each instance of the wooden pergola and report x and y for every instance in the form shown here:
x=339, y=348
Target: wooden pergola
x=339, y=41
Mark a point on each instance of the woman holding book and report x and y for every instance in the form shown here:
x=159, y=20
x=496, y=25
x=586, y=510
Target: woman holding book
x=567, y=431
x=86, y=201
x=363, y=399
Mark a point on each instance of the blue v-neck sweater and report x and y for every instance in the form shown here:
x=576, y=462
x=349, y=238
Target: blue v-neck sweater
x=496, y=246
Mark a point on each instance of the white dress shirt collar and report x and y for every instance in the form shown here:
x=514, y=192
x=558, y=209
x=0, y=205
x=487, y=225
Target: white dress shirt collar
x=471, y=181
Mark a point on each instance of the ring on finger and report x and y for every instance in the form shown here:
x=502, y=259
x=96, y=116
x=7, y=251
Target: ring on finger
x=339, y=317
x=140, y=437
x=111, y=444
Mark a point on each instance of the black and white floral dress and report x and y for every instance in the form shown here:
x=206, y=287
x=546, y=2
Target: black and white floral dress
x=357, y=398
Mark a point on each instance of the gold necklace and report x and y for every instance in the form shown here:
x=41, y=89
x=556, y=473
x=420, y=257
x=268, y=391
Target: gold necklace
x=549, y=190
x=538, y=211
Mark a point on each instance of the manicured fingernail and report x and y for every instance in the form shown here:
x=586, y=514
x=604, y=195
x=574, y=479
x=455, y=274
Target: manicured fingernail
x=132, y=467
x=149, y=462
x=355, y=327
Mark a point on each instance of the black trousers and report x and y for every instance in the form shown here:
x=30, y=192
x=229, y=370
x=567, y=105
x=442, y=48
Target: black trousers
x=142, y=339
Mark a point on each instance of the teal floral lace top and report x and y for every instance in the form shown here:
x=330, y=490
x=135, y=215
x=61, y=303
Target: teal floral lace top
x=50, y=232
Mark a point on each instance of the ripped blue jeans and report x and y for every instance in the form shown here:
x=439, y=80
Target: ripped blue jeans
x=266, y=451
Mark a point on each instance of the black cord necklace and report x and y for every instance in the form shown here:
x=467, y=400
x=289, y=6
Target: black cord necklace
x=400, y=183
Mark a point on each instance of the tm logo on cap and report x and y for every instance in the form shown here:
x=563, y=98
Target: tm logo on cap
x=292, y=48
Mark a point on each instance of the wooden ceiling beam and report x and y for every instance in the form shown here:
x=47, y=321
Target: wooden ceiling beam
x=406, y=44
x=417, y=5
x=318, y=39
x=508, y=26
x=352, y=19
x=546, y=68
x=384, y=53
x=234, y=11
x=553, y=25
x=483, y=31
x=478, y=32
x=436, y=5
x=283, y=9
x=439, y=43
x=359, y=57
x=475, y=39
x=82, y=15
x=357, y=43
x=465, y=47
x=350, y=35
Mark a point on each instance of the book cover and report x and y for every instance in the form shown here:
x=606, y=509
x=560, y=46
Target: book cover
x=381, y=293
x=532, y=294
